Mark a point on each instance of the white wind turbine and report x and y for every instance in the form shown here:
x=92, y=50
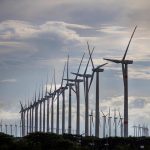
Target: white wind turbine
x=121, y=124
x=91, y=122
x=77, y=92
x=104, y=124
x=96, y=70
x=109, y=123
x=115, y=122
x=86, y=77
x=125, y=64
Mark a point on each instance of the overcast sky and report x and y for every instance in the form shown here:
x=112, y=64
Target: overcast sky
x=37, y=36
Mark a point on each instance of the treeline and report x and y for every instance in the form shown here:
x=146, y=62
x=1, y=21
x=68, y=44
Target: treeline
x=48, y=141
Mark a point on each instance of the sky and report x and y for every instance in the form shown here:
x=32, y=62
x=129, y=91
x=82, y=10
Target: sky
x=37, y=36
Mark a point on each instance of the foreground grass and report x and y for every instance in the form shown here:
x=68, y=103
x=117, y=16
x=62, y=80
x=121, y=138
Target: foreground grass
x=49, y=141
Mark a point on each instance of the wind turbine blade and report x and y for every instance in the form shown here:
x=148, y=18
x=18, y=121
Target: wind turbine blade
x=119, y=121
x=58, y=94
x=102, y=113
x=99, y=66
x=77, y=74
x=109, y=111
x=88, y=62
x=21, y=105
x=28, y=103
x=90, y=54
x=73, y=89
x=80, y=65
x=42, y=89
x=35, y=96
x=129, y=44
x=51, y=86
x=103, y=65
x=91, y=80
x=54, y=80
x=107, y=114
x=63, y=75
x=39, y=93
x=112, y=60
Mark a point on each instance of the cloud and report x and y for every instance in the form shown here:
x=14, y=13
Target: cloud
x=8, y=115
x=8, y=81
x=113, y=29
x=138, y=103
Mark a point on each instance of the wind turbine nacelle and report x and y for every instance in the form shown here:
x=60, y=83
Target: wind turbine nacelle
x=98, y=70
x=128, y=61
x=87, y=75
x=78, y=80
x=64, y=87
x=70, y=84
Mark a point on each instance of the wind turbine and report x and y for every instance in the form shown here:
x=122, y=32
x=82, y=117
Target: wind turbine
x=62, y=91
x=115, y=122
x=36, y=113
x=6, y=128
x=96, y=70
x=134, y=130
x=86, y=91
x=121, y=124
x=58, y=91
x=22, y=111
x=69, y=85
x=40, y=111
x=1, y=126
x=109, y=123
x=20, y=128
x=139, y=130
x=77, y=91
x=30, y=113
x=16, y=130
x=52, y=94
x=32, y=117
x=48, y=98
x=104, y=124
x=125, y=64
x=43, y=100
x=91, y=122
x=27, y=109
x=11, y=129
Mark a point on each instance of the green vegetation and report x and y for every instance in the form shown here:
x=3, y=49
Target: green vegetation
x=49, y=141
